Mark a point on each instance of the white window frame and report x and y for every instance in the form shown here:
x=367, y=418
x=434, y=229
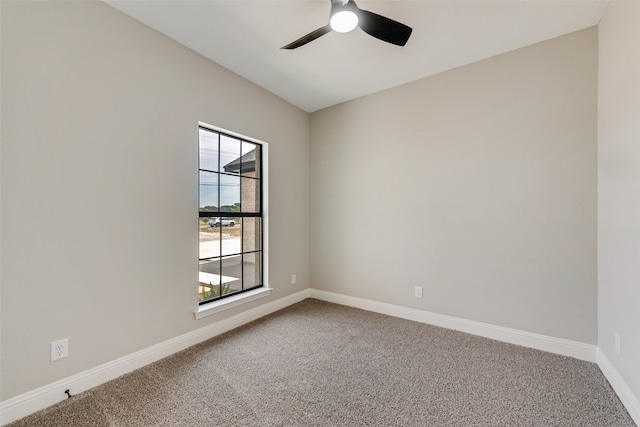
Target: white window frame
x=213, y=307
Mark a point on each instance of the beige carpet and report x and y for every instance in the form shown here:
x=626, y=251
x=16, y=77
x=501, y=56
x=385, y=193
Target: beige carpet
x=321, y=364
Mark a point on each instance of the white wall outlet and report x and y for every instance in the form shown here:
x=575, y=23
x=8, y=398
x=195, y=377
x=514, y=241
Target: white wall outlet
x=418, y=291
x=59, y=349
x=294, y=279
x=617, y=343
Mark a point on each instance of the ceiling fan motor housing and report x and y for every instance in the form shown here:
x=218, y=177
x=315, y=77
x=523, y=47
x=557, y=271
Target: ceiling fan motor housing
x=340, y=5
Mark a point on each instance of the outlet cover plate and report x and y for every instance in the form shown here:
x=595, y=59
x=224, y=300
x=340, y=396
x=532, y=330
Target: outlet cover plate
x=59, y=349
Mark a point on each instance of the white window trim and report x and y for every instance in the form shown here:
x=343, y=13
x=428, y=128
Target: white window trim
x=264, y=291
x=230, y=302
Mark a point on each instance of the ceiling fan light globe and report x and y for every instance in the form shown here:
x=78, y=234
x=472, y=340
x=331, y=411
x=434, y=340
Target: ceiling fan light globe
x=344, y=21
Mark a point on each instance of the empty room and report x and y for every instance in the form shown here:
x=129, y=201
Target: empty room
x=425, y=214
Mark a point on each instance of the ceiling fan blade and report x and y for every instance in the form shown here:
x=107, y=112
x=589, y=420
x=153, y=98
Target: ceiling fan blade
x=384, y=28
x=308, y=38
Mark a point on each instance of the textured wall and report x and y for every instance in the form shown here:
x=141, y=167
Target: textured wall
x=619, y=188
x=99, y=185
x=478, y=184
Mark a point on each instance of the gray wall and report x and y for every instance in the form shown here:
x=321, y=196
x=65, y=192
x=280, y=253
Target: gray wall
x=478, y=184
x=99, y=185
x=619, y=189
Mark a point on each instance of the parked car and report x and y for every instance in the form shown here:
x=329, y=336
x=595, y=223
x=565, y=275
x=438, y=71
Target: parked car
x=221, y=222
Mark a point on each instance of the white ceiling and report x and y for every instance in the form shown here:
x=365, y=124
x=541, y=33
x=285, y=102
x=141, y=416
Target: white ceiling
x=245, y=37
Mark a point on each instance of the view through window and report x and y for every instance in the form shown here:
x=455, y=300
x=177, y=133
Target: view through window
x=230, y=221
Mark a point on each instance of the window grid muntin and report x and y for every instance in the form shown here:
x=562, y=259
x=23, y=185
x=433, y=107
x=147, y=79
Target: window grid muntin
x=259, y=214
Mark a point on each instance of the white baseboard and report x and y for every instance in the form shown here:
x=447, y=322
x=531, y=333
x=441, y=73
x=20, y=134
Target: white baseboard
x=626, y=395
x=555, y=345
x=30, y=402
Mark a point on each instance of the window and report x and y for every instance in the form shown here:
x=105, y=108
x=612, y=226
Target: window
x=230, y=215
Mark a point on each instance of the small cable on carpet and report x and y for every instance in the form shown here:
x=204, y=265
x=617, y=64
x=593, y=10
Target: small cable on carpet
x=68, y=393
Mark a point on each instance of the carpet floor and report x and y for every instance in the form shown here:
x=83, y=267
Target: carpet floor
x=321, y=364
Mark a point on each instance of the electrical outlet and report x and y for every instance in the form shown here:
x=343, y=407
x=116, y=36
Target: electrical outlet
x=617, y=343
x=59, y=349
x=418, y=291
x=294, y=279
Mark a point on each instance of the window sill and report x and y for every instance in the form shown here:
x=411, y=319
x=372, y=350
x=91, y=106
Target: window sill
x=230, y=302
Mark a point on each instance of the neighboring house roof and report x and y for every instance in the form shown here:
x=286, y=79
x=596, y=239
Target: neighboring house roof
x=246, y=162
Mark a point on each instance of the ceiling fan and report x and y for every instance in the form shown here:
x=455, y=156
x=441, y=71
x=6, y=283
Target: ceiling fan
x=346, y=15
